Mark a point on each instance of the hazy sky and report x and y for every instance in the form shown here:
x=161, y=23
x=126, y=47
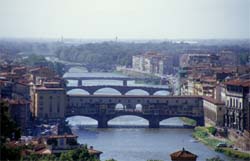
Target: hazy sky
x=143, y=19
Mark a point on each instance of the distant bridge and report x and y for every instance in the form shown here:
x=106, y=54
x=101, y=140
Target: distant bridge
x=153, y=108
x=122, y=89
x=121, y=78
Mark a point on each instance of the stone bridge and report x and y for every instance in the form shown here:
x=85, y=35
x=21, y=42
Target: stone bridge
x=122, y=89
x=152, y=108
x=124, y=79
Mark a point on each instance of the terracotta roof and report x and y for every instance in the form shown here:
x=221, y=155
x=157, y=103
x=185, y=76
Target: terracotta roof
x=183, y=154
x=62, y=136
x=92, y=151
x=44, y=151
x=49, y=89
x=17, y=101
x=239, y=82
x=212, y=100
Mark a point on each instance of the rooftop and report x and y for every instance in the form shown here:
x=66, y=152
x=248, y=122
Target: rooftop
x=212, y=100
x=61, y=136
x=183, y=154
x=239, y=82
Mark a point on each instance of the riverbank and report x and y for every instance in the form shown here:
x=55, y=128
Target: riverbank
x=205, y=135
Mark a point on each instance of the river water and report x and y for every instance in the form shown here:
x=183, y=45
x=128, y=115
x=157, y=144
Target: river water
x=129, y=139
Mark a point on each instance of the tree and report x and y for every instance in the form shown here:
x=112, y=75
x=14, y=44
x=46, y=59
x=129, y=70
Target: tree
x=9, y=128
x=78, y=154
x=214, y=159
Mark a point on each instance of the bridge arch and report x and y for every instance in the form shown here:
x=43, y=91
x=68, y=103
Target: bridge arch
x=136, y=90
x=161, y=93
x=119, y=106
x=78, y=91
x=82, y=120
x=77, y=69
x=183, y=120
x=128, y=120
x=107, y=90
x=138, y=107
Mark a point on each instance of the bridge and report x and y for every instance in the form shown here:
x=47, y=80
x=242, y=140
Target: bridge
x=108, y=76
x=122, y=89
x=104, y=108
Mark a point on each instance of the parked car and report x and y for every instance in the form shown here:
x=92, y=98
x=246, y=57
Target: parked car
x=221, y=145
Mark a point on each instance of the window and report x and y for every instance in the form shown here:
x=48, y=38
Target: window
x=231, y=102
x=41, y=97
x=51, y=97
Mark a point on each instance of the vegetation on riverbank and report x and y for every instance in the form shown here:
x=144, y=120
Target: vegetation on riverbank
x=205, y=135
x=188, y=121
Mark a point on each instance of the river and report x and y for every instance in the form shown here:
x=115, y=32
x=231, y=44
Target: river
x=133, y=141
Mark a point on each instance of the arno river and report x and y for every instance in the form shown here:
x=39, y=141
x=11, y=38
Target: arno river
x=134, y=141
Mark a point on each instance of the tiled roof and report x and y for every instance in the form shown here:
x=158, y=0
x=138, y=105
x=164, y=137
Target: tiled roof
x=17, y=101
x=183, y=154
x=62, y=136
x=239, y=82
x=212, y=100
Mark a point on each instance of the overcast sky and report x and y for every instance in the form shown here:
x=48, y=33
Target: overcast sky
x=138, y=19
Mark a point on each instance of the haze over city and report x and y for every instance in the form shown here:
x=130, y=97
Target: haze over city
x=126, y=19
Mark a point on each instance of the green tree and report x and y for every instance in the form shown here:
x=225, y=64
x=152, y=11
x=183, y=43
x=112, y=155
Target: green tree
x=111, y=160
x=77, y=155
x=214, y=159
x=9, y=128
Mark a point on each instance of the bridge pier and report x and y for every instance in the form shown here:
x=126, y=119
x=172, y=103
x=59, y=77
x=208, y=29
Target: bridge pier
x=154, y=123
x=79, y=83
x=102, y=123
x=200, y=121
x=125, y=83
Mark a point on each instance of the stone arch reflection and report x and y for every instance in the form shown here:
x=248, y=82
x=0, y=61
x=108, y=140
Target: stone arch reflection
x=128, y=120
x=78, y=92
x=107, y=90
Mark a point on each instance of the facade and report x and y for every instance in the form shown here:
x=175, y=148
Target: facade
x=237, y=104
x=153, y=63
x=189, y=60
x=214, y=111
x=19, y=112
x=37, y=75
x=49, y=101
x=62, y=143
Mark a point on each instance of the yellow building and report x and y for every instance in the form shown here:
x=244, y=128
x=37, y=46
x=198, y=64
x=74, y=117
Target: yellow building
x=49, y=100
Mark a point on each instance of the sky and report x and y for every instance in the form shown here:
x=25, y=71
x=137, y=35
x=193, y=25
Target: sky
x=125, y=19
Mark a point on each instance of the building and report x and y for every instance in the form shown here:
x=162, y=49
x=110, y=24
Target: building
x=37, y=75
x=183, y=155
x=237, y=104
x=19, y=110
x=49, y=101
x=214, y=111
x=189, y=60
x=153, y=63
x=62, y=143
